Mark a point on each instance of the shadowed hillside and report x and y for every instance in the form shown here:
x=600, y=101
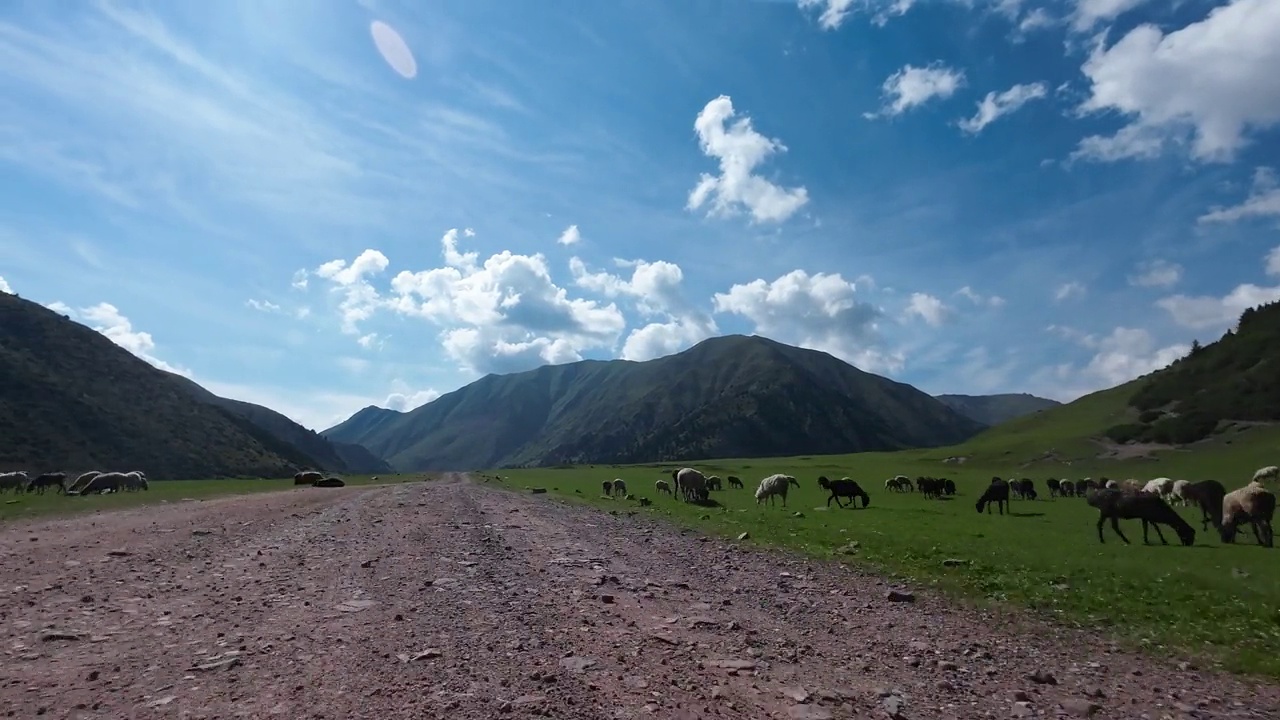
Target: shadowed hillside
x=731, y=396
x=996, y=409
x=73, y=400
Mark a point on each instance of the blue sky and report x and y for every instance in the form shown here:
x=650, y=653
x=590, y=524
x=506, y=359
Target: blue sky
x=374, y=202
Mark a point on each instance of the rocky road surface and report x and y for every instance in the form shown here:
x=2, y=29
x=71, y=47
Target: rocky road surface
x=454, y=599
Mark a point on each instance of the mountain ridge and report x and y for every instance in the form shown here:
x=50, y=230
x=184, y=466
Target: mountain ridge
x=996, y=408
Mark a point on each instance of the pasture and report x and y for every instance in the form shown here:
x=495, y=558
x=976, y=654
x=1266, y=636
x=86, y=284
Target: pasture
x=1218, y=604
x=14, y=506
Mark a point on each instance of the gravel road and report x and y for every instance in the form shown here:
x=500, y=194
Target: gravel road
x=454, y=599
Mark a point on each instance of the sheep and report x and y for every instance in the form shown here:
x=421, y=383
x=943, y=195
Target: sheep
x=713, y=483
x=136, y=480
x=1055, y=487
x=104, y=482
x=844, y=487
x=81, y=481
x=1026, y=488
x=329, y=482
x=691, y=484
x=997, y=492
x=735, y=481
x=904, y=482
x=948, y=486
x=1176, y=492
x=15, y=481
x=620, y=487
x=607, y=488
x=1152, y=510
x=775, y=485
x=1270, y=472
x=892, y=484
x=1254, y=504
x=645, y=502
x=42, y=482
x=662, y=486
x=1207, y=495
x=1162, y=486
x=1110, y=485
x=1066, y=488
x=307, y=477
x=930, y=487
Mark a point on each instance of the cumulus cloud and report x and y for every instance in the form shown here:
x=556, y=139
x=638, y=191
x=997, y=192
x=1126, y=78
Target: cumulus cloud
x=262, y=305
x=658, y=293
x=978, y=299
x=996, y=105
x=927, y=308
x=1088, y=13
x=406, y=401
x=4, y=287
x=740, y=150
x=1068, y=290
x=1211, y=81
x=503, y=315
x=1263, y=201
x=570, y=236
x=1205, y=312
x=834, y=12
x=819, y=311
x=1156, y=273
x=1120, y=356
x=913, y=86
x=108, y=320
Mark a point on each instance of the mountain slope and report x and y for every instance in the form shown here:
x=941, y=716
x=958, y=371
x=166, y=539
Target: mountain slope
x=71, y=399
x=996, y=409
x=326, y=454
x=731, y=396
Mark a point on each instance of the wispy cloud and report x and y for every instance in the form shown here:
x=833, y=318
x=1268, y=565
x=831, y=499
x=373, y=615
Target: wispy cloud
x=570, y=236
x=996, y=105
x=1263, y=201
x=1156, y=274
x=911, y=87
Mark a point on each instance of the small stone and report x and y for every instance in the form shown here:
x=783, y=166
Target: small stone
x=798, y=694
x=606, y=599
x=578, y=665
x=744, y=536
x=427, y=654
x=900, y=596
x=954, y=562
x=201, y=532
x=809, y=712
x=1023, y=709
x=1043, y=677
x=51, y=636
x=1021, y=696
x=1080, y=708
x=119, y=553
x=947, y=666
x=893, y=706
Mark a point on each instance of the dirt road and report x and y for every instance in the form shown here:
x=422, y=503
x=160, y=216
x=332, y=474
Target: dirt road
x=454, y=600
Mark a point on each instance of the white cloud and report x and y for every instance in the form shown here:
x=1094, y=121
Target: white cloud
x=369, y=341
x=1263, y=200
x=996, y=105
x=262, y=305
x=913, y=86
x=300, y=280
x=393, y=49
x=1089, y=13
x=1035, y=20
x=503, y=316
x=4, y=287
x=927, y=308
x=359, y=298
x=570, y=236
x=740, y=150
x=1121, y=356
x=1212, y=80
x=61, y=308
x=108, y=320
x=1068, y=290
x=1156, y=273
x=404, y=402
x=834, y=12
x=977, y=299
x=818, y=311
x=1204, y=312
x=1273, y=261
x=658, y=293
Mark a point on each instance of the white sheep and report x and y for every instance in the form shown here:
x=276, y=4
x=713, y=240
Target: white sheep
x=1254, y=504
x=1160, y=486
x=663, y=486
x=775, y=486
x=135, y=480
x=1176, y=495
x=1270, y=472
x=16, y=481
x=619, y=487
x=691, y=483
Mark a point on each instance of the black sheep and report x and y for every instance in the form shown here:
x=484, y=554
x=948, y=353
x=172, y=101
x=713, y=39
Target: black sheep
x=997, y=492
x=844, y=488
x=1152, y=510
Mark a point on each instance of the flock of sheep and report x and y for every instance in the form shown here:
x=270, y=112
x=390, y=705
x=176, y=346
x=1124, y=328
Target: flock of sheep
x=1151, y=502
x=89, y=483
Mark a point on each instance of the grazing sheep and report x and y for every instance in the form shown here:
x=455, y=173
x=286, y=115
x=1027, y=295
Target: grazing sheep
x=663, y=486
x=948, y=486
x=1270, y=472
x=1152, y=510
x=1162, y=486
x=1055, y=487
x=905, y=483
x=844, y=488
x=997, y=492
x=15, y=481
x=714, y=483
x=1176, y=493
x=691, y=484
x=104, y=483
x=620, y=487
x=1066, y=488
x=645, y=502
x=329, y=482
x=607, y=488
x=735, y=481
x=307, y=477
x=1110, y=485
x=1254, y=504
x=81, y=481
x=1026, y=488
x=136, y=480
x=930, y=487
x=42, y=482
x=1207, y=495
x=775, y=486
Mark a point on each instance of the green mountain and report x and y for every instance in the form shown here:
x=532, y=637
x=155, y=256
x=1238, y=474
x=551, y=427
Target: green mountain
x=73, y=400
x=996, y=409
x=732, y=396
x=1224, y=393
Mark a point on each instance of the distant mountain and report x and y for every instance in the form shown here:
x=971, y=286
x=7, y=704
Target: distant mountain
x=325, y=453
x=73, y=400
x=996, y=409
x=732, y=396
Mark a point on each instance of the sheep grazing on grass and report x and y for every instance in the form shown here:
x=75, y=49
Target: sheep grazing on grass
x=1206, y=495
x=1110, y=485
x=42, y=482
x=930, y=487
x=714, y=483
x=948, y=486
x=136, y=480
x=15, y=481
x=662, y=486
x=775, y=486
x=645, y=502
x=1066, y=488
x=1152, y=510
x=1024, y=488
x=735, y=481
x=307, y=477
x=1175, y=492
x=899, y=483
x=691, y=484
x=1254, y=504
x=1055, y=487
x=607, y=488
x=1160, y=486
x=104, y=483
x=998, y=493
x=329, y=482
x=80, y=482
x=844, y=488
x=1270, y=472
x=620, y=487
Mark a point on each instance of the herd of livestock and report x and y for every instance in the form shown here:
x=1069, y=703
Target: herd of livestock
x=89, y=483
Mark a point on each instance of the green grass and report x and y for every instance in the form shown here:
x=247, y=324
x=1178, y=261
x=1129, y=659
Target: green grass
x=16, y=507
x=1219, y=605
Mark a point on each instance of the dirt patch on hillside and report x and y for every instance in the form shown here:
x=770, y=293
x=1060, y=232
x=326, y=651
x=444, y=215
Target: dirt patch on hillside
x=1131, y=451
x=459, y=600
